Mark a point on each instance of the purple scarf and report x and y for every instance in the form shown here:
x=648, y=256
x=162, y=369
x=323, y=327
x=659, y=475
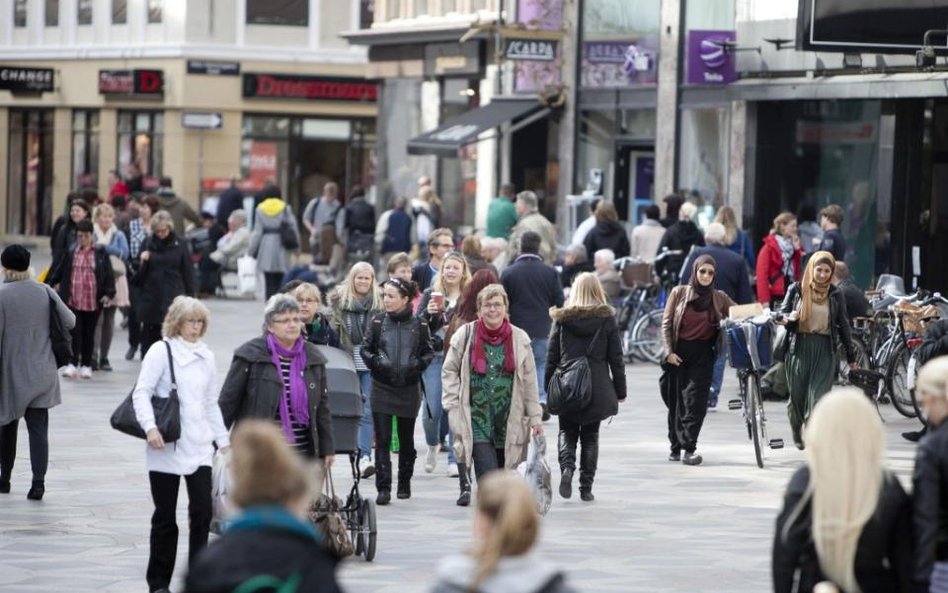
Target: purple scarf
x=299, y=398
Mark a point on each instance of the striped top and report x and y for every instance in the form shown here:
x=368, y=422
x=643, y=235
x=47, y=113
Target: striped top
x=303, y=437
x=357, y=347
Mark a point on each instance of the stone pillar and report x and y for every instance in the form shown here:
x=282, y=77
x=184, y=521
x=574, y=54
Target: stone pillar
x=568, y=131
x=738, y=144
x=666, y=130
x=108, y=147
x=63, y=181
x=486, y=153
x=4, y=167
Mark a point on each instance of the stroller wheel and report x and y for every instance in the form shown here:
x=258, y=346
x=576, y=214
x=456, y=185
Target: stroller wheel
x=367, y=530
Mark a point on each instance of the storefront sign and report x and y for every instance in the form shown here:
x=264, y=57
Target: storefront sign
x=213, y=68
x=132, y=82
x=262, y=161
x=219, y=184
x=708, y=62
x=308, y=88
x=201, y=120
x=445, y=59
x=530, y=50
x=29, y=80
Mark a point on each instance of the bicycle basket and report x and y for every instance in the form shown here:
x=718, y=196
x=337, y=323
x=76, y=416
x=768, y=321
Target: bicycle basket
x=865, y=379
x=635, y=274
x=914, y=316
x=740, y=355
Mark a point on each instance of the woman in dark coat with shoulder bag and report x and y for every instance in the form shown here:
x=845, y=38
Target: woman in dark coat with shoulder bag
x=815, y=315
x=586, y=326
x=690, y=332
x=396, y=348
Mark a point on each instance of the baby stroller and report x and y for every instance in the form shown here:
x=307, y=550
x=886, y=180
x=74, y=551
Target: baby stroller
x=345, y=403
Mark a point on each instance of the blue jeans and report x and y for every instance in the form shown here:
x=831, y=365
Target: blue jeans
x=717, y=376
x=433, y=418
x=539, y=346
x=365, y=425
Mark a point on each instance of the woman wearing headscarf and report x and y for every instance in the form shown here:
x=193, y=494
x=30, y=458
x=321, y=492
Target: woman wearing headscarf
x=778, y=263
x=689, y=337
x=815, y=315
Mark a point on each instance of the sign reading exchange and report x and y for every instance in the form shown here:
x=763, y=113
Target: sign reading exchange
x=30, y=80
x=308, y=88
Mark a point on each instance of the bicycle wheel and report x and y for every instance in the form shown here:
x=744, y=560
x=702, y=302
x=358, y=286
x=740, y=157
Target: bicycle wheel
x=368, y=529
x=896, y=379
x=647, y=336
x=756, y=409
x=742, y=379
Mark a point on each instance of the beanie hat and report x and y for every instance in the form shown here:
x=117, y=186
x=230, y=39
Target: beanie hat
x=16, y=258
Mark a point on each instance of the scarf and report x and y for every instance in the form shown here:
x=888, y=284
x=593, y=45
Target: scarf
x=494, y=337
x=299, y=398
x=357, y=318
x=786, y=254
x=811, y=291
x=104, y=238
x=705, y=293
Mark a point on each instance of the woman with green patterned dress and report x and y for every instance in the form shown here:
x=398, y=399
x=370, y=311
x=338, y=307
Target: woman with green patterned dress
x=490, y=391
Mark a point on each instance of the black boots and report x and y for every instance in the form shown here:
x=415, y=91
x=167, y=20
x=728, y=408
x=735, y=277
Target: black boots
x=588, y=460
x=383, y=479
x=567, y=459
x=464, y=479
x=37, y=491
x=406, y=468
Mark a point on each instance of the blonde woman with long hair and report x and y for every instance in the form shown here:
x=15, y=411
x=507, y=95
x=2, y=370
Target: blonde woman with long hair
x=928, y=481
x=354, y=302
x=734, y=238
x=845, y=519
x=506, y=528
x=586, y=326
x=437, y=306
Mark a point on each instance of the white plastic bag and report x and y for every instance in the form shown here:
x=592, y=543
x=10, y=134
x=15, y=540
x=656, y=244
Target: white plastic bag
x=246, y=275
x=220, y=487
x=537, y=473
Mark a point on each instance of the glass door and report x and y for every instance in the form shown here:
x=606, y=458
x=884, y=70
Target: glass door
x=635, y=180
x=30, y=183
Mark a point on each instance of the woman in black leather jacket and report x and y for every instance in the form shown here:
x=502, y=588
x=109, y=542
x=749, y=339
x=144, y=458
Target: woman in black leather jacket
x=396, y=348
x=817, y=324
x=845, y=518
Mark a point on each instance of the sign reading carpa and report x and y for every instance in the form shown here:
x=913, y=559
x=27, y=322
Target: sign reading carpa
x=530, y=50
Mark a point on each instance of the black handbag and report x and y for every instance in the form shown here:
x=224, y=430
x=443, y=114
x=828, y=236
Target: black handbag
x=570, y=388
x=288, y=236
x=167, y=411
x=59, y=337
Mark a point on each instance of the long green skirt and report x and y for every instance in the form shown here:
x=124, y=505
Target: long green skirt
x=810, y=371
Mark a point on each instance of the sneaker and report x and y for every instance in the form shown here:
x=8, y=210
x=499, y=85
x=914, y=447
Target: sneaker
x=453, y=470
x=70, y=371
x=384, y=497
x=104, y=365
x=431, y=459
x=85, y=372
x=674, y=456
x=913, y=436
x=692, y=458
x=95, y=364
x=368, y=470
x=130, y=353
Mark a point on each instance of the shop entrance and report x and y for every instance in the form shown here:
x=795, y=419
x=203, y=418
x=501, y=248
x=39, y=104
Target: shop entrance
x=635, y=179
x=30, y=166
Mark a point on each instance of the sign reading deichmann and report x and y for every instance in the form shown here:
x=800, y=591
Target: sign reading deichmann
x=30, y=80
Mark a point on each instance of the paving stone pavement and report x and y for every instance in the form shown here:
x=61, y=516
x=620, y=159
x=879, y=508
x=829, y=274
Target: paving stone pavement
x=655, y=526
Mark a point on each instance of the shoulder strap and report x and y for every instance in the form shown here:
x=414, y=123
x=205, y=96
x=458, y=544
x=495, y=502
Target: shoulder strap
x=174, y=382
x=593, y=341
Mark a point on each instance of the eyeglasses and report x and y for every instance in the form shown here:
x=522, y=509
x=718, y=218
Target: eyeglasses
x=493, y=306
x=307, y=301
x=706, y=272
x=444, y=245
x=194, y=321
x=286, y=321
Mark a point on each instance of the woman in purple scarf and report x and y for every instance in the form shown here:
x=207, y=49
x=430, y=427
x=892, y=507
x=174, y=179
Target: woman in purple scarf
x=282, y=377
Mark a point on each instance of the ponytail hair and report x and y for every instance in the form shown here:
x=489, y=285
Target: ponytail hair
x=406, y=288
x=505, y=501
x=266, y=471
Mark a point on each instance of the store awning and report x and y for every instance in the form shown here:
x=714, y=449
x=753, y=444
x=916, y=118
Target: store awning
x=448, y=138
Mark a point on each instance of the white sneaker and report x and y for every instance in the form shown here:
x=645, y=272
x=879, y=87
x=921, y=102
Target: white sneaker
x=368, y=470
x=453, y=470
x=85, y=372
x=431, y=460
x=70, y=371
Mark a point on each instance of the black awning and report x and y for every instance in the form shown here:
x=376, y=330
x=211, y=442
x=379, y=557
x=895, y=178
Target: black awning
x=449, y=137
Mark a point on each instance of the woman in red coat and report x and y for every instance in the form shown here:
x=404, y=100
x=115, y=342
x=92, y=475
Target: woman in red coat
x=778, y=263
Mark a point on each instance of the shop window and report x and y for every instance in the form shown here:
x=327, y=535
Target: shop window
x=620, y=42
x=119, y=12
x=19, y=13
x=703, y=158
x=85, y=148
x=30, y=166
x=293, y=13
x=84, y=12
x=155, y=11
x=366, y=14
x=52, y=13
x=141, y=142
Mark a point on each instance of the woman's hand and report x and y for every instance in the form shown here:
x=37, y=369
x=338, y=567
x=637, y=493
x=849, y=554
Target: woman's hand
x=433, y=307
x=145, y=255
x=154, y=439
x=673, y=359
x=538, y=430
x=793, y=316
x=796, y=241
x=329, y=460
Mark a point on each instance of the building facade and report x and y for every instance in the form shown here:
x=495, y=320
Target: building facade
x=199, y=91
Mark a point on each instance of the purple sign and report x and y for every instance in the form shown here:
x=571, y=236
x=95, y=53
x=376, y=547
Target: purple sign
x=708, y=60
x=543, y=15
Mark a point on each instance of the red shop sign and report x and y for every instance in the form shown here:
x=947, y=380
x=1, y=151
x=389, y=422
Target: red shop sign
x=308, y=88
x=132, y=82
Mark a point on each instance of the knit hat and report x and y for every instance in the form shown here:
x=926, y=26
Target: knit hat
x=16, y=258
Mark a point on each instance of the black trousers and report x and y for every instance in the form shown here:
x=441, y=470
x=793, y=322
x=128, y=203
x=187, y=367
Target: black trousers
x=83, y=337
x=685, y=390
x=164, y=526
x=151, y=333
x=37, y=424
x=272, y=282
x=486, y=458
x=208, y=273
x=382, y=424
x=571, y=433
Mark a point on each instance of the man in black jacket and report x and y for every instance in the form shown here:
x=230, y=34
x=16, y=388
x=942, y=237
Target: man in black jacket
x=231, y=199
x=857, y=305
x=360, y=226
x=532, y=288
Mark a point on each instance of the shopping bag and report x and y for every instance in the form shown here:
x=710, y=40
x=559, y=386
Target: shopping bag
x=537, y=473
x=326, y=514
x=221, y=506
x=246, y=275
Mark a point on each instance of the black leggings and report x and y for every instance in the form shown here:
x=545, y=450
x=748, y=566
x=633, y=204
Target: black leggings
x=37, y=424
x=164, y=525
x=272, y=283
x=83, y=337
x=382, y=424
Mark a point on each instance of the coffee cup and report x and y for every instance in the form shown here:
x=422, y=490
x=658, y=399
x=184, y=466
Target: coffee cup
x=438, y=299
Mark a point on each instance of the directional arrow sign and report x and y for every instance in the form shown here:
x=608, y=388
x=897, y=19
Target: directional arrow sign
x=202, y=120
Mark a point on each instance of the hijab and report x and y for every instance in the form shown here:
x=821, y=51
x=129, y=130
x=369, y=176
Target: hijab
x=705, y=293
x=811, y=291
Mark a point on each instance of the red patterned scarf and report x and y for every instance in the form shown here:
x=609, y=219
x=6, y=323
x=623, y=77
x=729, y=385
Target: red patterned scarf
x=494, y=337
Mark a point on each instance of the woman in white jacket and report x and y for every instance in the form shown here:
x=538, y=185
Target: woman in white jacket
x=201, y=426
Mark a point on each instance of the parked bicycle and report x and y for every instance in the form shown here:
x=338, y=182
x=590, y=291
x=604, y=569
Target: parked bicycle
x=640, y=313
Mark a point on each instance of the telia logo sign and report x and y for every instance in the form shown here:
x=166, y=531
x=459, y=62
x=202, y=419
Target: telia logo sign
x=708, y=62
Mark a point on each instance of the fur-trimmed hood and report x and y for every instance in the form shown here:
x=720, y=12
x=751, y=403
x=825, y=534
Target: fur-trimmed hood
x=566, y=314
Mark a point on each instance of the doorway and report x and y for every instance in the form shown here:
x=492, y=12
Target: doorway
x=635, y=180
x=30, y=166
